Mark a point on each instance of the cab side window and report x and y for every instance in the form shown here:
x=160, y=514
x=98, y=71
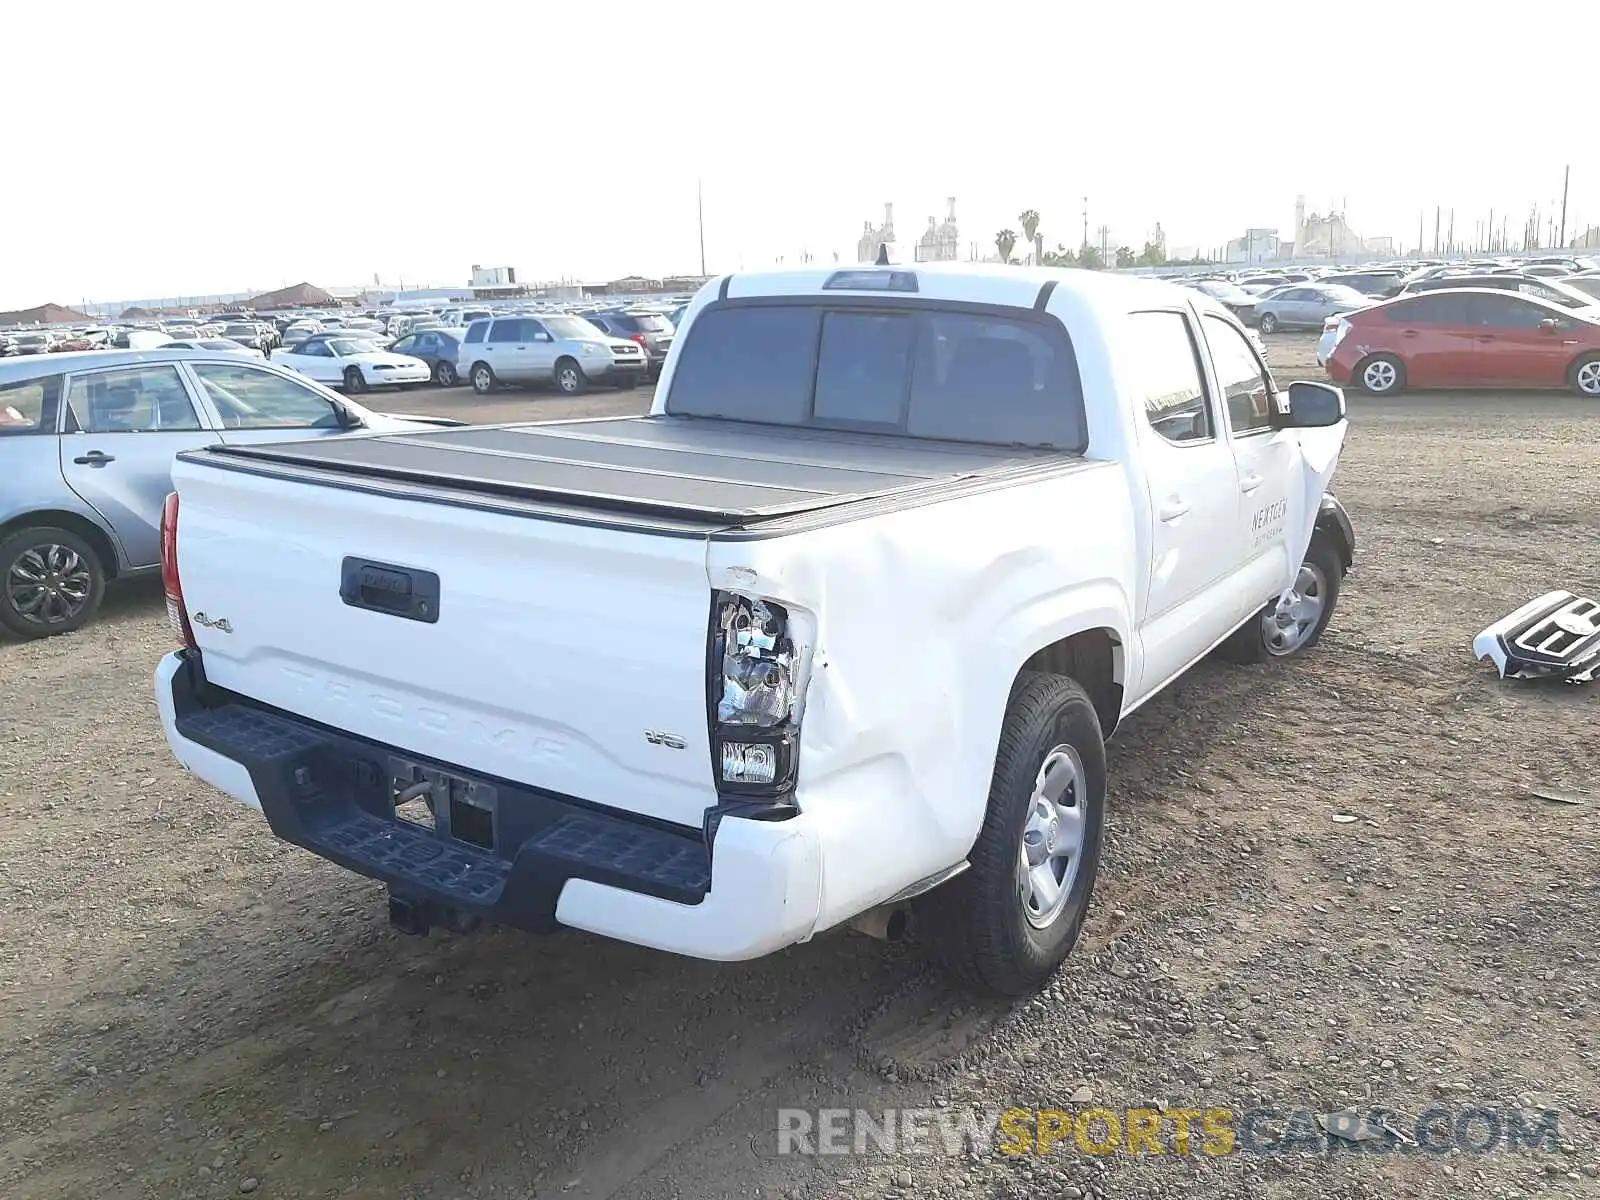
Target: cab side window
x=1247, y=389
x=1168, y=382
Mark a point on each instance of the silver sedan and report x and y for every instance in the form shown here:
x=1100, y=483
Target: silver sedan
x=1307, y=306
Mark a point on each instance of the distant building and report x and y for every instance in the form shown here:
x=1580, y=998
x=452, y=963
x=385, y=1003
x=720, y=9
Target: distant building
x=1587, y=240
x=1317, y=236
x=875, y=237
x=940, y=242
x=1257, y=245
x=496, y=283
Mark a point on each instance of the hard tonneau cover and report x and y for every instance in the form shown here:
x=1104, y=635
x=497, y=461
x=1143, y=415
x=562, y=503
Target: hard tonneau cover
x=693, y=471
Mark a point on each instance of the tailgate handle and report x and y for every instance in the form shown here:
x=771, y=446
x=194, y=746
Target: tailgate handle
x=391, y=590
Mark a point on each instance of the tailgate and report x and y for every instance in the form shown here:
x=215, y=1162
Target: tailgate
x=552, y=649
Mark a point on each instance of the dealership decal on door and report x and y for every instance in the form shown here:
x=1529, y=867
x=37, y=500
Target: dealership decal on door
x=1267, y=523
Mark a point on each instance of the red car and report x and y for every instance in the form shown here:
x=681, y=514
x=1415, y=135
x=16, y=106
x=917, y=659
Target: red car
x=1471, y=338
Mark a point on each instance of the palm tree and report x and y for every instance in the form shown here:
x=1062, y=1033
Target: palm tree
x=1005, y=241
x=1030, y=230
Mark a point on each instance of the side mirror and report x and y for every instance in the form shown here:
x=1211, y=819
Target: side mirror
x=1309, y=406
x=349, y=418
x=1548, y=325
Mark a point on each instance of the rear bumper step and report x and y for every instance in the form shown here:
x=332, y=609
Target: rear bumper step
x=334, y=794
x=490, y=850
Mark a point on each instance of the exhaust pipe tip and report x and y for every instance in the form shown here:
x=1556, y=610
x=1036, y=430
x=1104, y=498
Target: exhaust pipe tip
x=886, y=923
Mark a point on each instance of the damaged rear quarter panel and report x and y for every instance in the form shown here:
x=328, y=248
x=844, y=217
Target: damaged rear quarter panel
x=922, y=619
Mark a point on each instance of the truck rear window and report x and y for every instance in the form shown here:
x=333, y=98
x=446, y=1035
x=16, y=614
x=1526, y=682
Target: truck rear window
x=917, y=370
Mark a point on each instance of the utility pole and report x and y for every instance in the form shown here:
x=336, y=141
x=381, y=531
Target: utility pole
x=1086, y=220
x=1450, y=234
x=1420, y=215
x=1489, y=231
x=700, y=210
x=1566, y=177
x=1436, y=215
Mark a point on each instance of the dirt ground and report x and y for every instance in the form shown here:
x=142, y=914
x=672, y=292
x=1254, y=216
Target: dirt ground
x=190, y=1009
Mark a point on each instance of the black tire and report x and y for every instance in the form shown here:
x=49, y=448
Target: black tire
x=1584, y=377
x=1268, y=323
x=482, y=377
x=354, y=381
x=569, y=377
x=444, y=374
x=73, y=576
x=1250, y=644
x=979, y=923
x=1397, y=379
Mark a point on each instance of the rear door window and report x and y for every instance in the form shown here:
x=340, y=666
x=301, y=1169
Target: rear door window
x=475, y=333
x=1439, y=309
x=131, y=400
x=918, y=370
x=29, y=406
x=506, y=331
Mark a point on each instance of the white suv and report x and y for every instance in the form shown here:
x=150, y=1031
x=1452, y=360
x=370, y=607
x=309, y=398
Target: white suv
x=565, y=350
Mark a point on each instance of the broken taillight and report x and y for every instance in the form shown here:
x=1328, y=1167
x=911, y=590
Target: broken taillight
x=177, y=615
x=757, y=692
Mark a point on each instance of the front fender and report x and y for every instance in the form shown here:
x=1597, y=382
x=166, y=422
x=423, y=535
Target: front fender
x=1333, y=522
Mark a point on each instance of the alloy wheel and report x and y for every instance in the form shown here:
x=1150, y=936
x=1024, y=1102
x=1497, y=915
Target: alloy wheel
x=48, y=584
x=1379, y=376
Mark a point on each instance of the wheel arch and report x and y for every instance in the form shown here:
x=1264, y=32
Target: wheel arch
x=104, y=544
x=1095, y=659
x=1577, y=361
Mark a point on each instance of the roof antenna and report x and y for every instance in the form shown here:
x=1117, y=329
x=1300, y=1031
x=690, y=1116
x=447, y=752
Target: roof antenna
x=883, y=255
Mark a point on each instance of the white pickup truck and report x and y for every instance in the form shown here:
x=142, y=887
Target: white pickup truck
x=842, y=624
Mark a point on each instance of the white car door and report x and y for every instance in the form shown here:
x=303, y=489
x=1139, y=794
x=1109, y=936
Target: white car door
x=541, y=350
x=1193, y=496
x=507, y=350
x=1270, y=508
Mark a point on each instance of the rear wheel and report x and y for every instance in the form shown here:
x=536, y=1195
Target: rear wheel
x=1269, y=323
x=444, y=374
x=483, y=380
x=1382, y=375
x=1011, y=919
x=51, y=581
x=1584, y=378
x=354, y=381
x=570, y=377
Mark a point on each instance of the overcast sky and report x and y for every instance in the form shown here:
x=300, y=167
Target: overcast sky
x=190, y=149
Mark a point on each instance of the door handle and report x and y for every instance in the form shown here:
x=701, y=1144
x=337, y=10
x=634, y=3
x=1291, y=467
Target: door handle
x=1409, y=333
x=95, y=458
x=1249, y=483
x=1172, y=509
x=1485, y=337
